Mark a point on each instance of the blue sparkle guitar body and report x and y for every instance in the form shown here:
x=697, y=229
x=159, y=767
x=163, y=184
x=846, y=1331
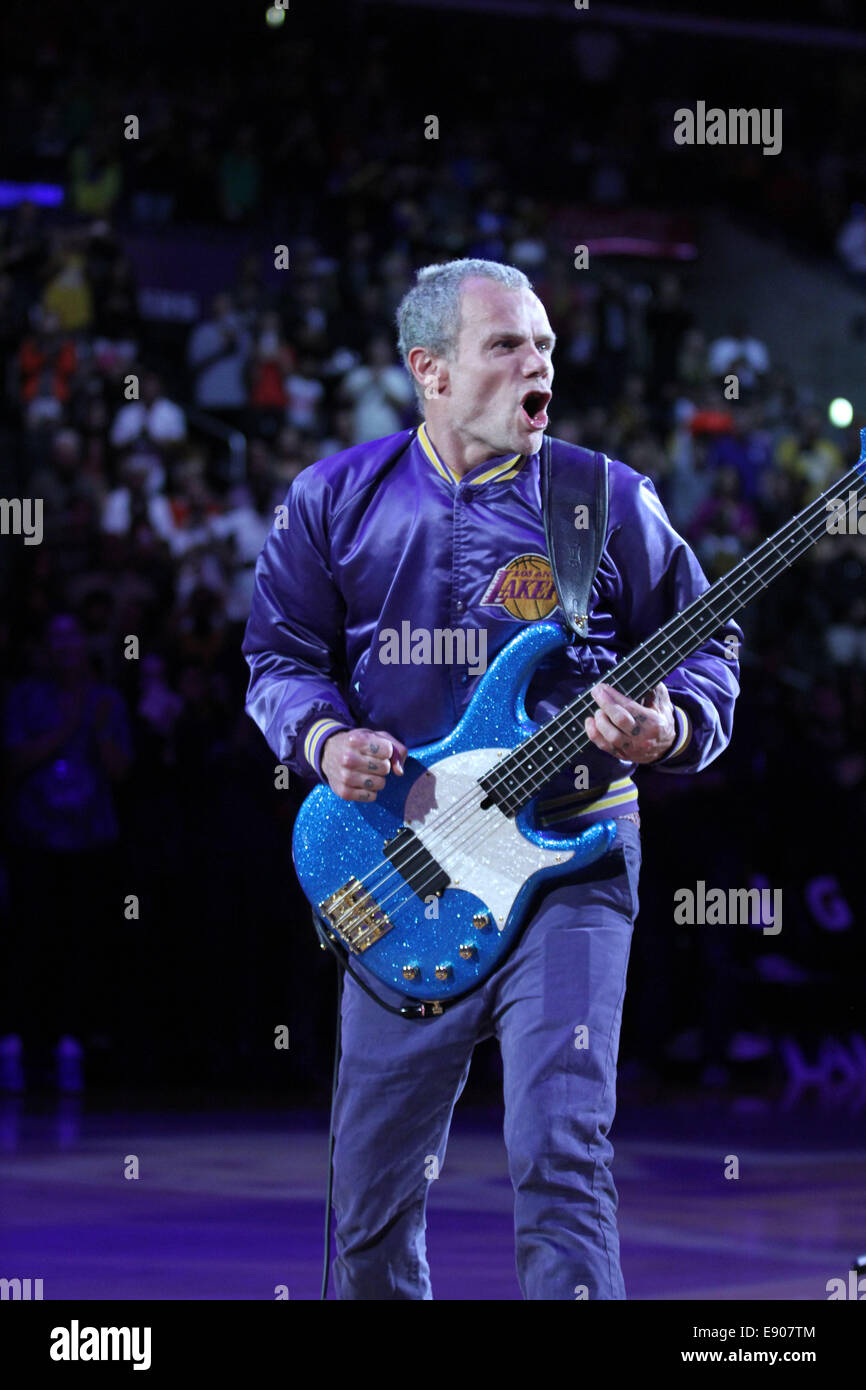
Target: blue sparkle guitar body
x=427, y=886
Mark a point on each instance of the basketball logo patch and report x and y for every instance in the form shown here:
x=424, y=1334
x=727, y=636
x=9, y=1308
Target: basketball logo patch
x=524, y=588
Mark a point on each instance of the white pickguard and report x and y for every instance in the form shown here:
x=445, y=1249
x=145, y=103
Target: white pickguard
x=481, y=851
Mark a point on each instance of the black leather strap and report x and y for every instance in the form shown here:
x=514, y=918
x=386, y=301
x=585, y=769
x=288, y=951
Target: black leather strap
x=573, y=477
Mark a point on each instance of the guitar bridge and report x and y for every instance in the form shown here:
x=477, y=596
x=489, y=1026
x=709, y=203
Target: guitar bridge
x=355, y=916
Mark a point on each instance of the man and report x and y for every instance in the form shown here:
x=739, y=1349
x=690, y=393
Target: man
x=443, y=527
x=217, y=353
x=379, y=392
x=153, y=421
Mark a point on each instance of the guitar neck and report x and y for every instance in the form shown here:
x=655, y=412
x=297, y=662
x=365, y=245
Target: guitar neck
x=528, y=767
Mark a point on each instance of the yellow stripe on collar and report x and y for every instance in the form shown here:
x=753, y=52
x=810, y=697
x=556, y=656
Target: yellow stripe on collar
x=508, y=468
x=441, y=468
x=502, y=470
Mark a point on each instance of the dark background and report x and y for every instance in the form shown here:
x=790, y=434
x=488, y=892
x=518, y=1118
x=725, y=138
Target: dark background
x=555, y=129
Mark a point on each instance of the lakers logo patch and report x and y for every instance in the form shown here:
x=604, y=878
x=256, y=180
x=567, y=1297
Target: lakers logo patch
x=524, y=588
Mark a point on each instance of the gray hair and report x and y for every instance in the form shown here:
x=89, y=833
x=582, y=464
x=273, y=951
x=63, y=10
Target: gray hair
x=429, y=314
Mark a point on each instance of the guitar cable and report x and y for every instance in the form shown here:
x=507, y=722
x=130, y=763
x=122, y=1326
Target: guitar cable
x=326, y=1270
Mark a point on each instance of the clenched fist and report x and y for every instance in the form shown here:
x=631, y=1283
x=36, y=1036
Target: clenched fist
x=355, y=762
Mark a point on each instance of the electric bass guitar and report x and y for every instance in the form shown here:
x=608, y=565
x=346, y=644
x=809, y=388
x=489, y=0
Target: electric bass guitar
x=426, y=886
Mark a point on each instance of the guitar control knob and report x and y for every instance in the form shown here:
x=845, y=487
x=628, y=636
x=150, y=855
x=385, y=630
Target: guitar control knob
x=442, y=972
x=468, y=952
x=411, y=972
x=481, y=920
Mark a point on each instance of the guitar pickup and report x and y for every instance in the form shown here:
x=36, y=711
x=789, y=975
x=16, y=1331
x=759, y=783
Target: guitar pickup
x=416, y=864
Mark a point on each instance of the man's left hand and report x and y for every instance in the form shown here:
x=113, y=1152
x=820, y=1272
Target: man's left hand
x=632, y=732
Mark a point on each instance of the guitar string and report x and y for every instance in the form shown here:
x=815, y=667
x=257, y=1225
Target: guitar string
x=739, y=598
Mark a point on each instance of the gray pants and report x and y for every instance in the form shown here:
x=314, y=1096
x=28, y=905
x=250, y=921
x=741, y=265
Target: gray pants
x=555, y=1006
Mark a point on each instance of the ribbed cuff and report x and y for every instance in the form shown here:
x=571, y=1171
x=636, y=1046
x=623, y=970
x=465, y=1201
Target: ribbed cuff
x=682, y=738
x=314, y=741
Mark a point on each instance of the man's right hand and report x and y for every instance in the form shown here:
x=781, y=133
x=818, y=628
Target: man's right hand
x=355, y=762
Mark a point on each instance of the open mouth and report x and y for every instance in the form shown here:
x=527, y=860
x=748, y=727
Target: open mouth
x=533, y=407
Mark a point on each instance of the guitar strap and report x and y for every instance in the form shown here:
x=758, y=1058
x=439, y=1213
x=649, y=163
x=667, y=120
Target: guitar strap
x=574, y=503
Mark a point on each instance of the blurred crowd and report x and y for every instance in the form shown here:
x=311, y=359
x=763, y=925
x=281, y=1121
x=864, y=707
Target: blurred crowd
x=148, y=530
x=124, y=732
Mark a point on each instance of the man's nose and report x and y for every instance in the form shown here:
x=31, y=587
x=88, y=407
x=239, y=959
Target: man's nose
x=538, y=365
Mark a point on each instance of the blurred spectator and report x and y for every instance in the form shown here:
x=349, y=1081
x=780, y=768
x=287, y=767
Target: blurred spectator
x=71, y=498
x=304, y=392
x=67, y=295
x=724, y=527
x=811, y=460
x=379, y=391
x=271, y=363
x=668, y=320
x=197, y=544
x=740, y=353
x=95, y=176
x=47, y=360
x=158, y=707
x=245, y=524
x=746, y=447
x=217, y=352
x=138, y=501
x=851, y=244
x=153, y=419
x=240, y=177
x=844, y=590
x=692, y=360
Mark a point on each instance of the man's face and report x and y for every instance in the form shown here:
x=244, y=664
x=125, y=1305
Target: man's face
x=497, y=387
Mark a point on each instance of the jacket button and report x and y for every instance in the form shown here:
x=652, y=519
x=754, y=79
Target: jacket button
x=459, y=605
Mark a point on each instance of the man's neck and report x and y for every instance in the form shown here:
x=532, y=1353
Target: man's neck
x=458, y=454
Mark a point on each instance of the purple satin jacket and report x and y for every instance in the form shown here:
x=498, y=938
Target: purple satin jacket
x=380, y=552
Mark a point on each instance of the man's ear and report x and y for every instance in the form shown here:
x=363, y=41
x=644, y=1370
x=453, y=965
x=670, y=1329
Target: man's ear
x=430, y=372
